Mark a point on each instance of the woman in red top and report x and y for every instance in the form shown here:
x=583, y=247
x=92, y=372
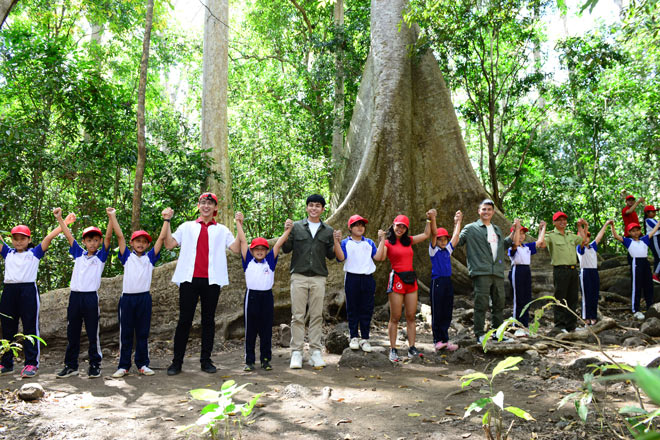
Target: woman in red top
x=396, y=245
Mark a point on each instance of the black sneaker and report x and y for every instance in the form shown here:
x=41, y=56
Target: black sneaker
x=208, y=367
x=6, y=370
x=66, y=372
x=94, y=371
x=173, y=369
x=413, y=352
x=248, y=367
x=265, y=364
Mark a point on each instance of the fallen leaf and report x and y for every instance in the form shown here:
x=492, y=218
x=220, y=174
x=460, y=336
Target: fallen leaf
x=428, y=421
x=341, y=399
x=466, y=435
x=396, y=405
x=414, y=414
x=419, y=401
x=344, y=421
x=403, y=386
x=225, y=377
x=167, y=419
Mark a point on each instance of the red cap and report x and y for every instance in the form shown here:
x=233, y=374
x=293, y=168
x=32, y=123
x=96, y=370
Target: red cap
x=92, y=229
x=208, y=196
x=442, y=232
x=522, y=229
x=141, y=233
x=649, y=208
x=259, y=241
x=401, y=220
x=21, y=229
x=558, y=215
x=631, y=226
x=630, y=196
x=357, y=218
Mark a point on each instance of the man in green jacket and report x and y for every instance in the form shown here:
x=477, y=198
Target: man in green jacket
x=312, y=242
x=486, y=257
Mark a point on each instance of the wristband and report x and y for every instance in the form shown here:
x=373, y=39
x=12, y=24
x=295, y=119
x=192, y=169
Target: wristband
x=167, y=220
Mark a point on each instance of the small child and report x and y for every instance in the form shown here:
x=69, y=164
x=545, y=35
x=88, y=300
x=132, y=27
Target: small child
x=520, y=274
x=589, y=279
x=638, y=249
x=20, y=296
x=134, y=309
x=649, y=223
x=259, y=267
x=442, y=289
x=357, y=251
x=84, y=297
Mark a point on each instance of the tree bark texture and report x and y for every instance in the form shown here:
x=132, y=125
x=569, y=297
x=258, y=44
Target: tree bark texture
x=5, y=9
x=141, y=140
x=214, y=104
x=338, y=151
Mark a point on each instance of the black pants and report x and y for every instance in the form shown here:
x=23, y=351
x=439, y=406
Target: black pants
x=565, y=279
x=590, y=283
x=258, y=322
x=641, y=282
x=20, y=301
x=189, y=294
x=83, y=307
x=134, y=312
x=442, y=306
x=360, y=290
x=520, y=277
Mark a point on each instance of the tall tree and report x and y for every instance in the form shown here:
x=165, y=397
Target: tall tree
x=5, y=9
x=338, y=151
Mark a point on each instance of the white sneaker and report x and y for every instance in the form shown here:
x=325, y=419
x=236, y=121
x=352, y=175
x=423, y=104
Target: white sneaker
x=365, y=346
x=520, y=333
x=316, y=360
x=121, y=372
x=146, y=371
x=354, y=344
x=296, y=360
x=638, y=315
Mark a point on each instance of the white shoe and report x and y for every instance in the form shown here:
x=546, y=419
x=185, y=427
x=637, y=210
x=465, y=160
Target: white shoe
x=638, y=315
x=146, y=371
x=520, y=333
x=121, y=372
x=316, y=360
x=354, y=344
x=296, y=360
x=365, y=346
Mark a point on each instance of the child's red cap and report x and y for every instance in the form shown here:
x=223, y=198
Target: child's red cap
x=558, y=215
x=356, y=218
x=209, y=196
x=632, y=226
x=522, y=229
x=21, y=229
x=649, y=208
x=141, y=233
x=630, y=196
x=92, y=229
x=401, y=220
x=259, y=241
x=442, y=232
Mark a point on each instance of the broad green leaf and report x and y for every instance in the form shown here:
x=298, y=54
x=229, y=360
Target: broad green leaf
x=632, y=410
x=204, y=394
x=582, y=410
x=208, y=408
x=506, y=365
x=227, y=384
x=649, y=381
x=477, y=406
x=569, y=397
x=468, y=378
x=519, y=413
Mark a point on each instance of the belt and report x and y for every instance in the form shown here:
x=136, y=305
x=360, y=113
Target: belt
x=566, y=266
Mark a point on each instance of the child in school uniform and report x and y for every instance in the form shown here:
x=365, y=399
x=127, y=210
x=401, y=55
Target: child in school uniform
x=20, y=296
x=259, y=266
x=589, y=279
x=638, y=249
x=84, y=299
x=357, y=252
x=520, y=275
x=649, y=223
x=442, y=289
x=134, y=308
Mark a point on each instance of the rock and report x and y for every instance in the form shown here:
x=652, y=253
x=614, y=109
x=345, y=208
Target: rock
x=336, y=342
x=463, y=303
x=425, y=311
x=651, y=327
x=285, y=335
x=382, y=313
x=582, y=364
x=609, y=277
x=360, y=359
x=466, y=316
x=653, y=311
x=611, y=263
x=294, y=391
x=460, y=356
x=634, y=342
x=622, y=286
x=655, y=363
x=636, y=334
x=614, y=297
x=326, y=392
x=31, y=391
x=532, y=354
x=342, y=327
x=609, y=338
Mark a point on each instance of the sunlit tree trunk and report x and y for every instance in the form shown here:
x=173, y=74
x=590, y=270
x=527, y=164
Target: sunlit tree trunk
x=5, y=8
x=338, y=151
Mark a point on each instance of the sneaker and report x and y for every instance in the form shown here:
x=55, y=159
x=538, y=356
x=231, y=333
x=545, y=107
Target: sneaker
x=173, y=369
x=354, y=344
x=29, y=371
x=520, y=333
x=121, y=372
x=208, y=367
x=638, y=315
x=94, y=371
x=413, y=352
x=451, y=346
x=6, y=370
x=394, y=356
x=480, y=339
x=296, y=360
x=66, y=372
x=146, y=371
x=248, y=367
x=265, y=364
x=316, y=360
x=440, y=345
x=656, y=278
x=365, y=346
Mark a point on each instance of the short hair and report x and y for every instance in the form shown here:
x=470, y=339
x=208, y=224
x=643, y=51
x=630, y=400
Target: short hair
x=315, y=198
x=92, y=234
x=487, y=202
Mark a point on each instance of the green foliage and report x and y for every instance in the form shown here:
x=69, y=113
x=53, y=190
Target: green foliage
x=15, y=345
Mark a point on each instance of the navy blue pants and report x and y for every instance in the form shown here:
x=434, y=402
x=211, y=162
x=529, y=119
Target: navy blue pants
x=590, y=285
x=442, y=305
x=641, y=282
x=520, y=277
x=655, y=250
x=134, y=311
x=258, y=306
x=20, y=301
x=360, y=296
x=83, y=307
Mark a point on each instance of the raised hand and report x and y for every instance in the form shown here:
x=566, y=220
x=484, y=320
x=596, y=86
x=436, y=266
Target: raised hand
x=431, y=213
x=57, y=212
x=542, y=224
x=288, y=224
x=167, y=213
x=239, y=217
x=70, y=218
x=111, y=211
x=381, y=234
x=337, y=235
x=458, y=216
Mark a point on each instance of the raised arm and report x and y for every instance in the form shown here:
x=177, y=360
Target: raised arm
x=431, y=225
x=240, y=234
x=288, y=226
x=169, y=242
x=235, y=246
x=635, y=205
x=601, y=233
x=63, y=225
x=654, y=230
x=540, y=241
x=108, y=234
x=381, y=252
x=121, y=240
x=516, y=235
x=614, y=234
x=433, y=231
x=458, y=219
x=164, y=230
x=339, y=252
x=45, y=243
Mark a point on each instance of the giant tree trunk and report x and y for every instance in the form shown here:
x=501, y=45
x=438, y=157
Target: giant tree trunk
x=5, y=9
x=214, y=104
x=338, y=150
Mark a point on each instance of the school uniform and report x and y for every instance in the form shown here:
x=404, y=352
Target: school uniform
x=134, y=308
x=359, y=284
x=20, y=300
x=258, y=305
x=84, y=304
x=589, y=279
x=520, y=277
x=442, y=292
x=650, y=223
x=641, y=271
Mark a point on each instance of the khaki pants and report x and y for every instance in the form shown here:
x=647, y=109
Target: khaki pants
x=487, y=287
x=306, y=292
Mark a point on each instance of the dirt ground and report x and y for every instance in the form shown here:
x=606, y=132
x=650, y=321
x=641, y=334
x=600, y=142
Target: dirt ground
x=411, y=400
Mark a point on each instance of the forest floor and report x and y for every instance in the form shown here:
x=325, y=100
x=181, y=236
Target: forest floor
x=411, y=400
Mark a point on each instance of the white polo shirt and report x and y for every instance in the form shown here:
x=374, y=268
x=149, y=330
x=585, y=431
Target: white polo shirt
x=87, y=269
x=588, y=256
x=138, y=270
x=637, y=248
x=523, y=254
x=220, y=238
x=359, y=255
x=21, y=267
x=259, y=275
